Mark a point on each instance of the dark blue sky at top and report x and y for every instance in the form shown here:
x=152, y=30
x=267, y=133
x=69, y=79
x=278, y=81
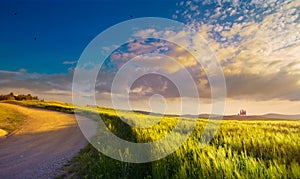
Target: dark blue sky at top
x=62, y=29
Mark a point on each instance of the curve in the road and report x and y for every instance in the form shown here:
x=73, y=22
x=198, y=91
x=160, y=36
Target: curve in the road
x=46, y=141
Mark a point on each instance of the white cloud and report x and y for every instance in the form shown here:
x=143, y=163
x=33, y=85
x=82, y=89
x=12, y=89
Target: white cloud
x=69, y=62
x=42, y=85
x=259, y=42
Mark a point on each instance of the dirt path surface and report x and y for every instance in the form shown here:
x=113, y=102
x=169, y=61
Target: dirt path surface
x=45, y=142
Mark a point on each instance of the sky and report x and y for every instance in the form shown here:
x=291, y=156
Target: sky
x=256, y=43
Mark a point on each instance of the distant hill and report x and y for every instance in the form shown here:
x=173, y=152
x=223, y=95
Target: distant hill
x=282, y=116
x=230, y=117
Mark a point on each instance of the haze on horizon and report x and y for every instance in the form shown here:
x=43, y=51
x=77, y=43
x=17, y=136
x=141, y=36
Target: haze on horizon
x=257, y=44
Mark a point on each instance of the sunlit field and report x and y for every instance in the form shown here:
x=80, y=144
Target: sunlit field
x=10, y=120
x=239, y=149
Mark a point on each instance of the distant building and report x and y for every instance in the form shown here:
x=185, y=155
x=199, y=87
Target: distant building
x=242, y=112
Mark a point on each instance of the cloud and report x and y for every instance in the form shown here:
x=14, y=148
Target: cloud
x=257, y=64
x=151, y=84
x=257, y=44
x=271, y=86
x=54, y=86
x=161, y=56
x=22, y=70
x=69, y=62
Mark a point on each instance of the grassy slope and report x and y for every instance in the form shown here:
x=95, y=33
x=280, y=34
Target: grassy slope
x=240, y=149
x=10, y=120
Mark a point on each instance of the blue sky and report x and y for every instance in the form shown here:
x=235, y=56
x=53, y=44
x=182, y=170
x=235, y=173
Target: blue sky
x=62, y=29
x=256, y=42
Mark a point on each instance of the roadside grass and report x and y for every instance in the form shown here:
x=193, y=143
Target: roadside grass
x=239, y=149
x=10, y=120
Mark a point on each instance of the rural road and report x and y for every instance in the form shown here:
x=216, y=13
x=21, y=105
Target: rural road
x=45, y=142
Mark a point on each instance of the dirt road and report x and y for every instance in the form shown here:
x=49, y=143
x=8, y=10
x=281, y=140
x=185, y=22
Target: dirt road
x=45, y=142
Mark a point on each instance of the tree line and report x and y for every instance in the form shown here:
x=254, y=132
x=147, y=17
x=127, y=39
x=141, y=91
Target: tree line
x=19, y=97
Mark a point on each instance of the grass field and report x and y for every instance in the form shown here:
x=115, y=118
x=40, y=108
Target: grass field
x=10, y=120
x=240, y=149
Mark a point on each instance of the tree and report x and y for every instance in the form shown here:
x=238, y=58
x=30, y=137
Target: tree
x=20, y=97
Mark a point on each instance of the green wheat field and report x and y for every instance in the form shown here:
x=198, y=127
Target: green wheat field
x=240, y=148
